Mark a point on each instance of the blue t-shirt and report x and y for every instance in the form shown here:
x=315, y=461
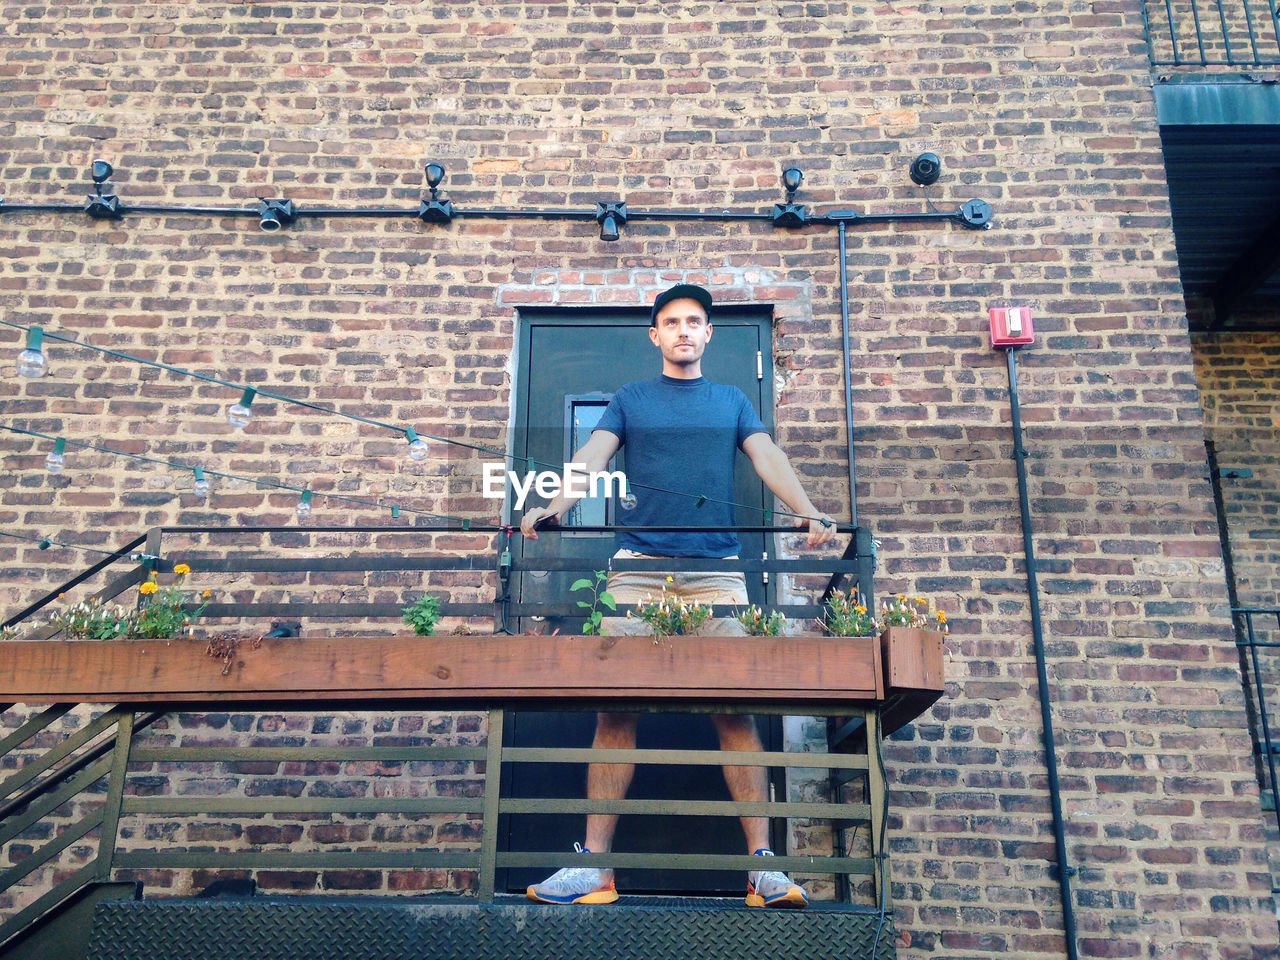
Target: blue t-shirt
x=680, y=436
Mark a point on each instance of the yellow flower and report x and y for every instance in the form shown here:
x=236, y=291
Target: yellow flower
x=942, y=617
x=859, y=608
x=918, y=599
x=670, y=579
x=181, y=568
x=207, y=592
x=148, y=586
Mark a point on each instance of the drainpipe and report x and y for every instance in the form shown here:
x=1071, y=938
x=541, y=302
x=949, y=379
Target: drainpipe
x=1065, y=872
x=848, y=387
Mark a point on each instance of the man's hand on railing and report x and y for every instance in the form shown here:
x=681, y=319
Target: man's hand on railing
x=530, y=521
x=821, y=529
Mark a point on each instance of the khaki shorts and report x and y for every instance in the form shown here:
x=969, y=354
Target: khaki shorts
x=629, y=587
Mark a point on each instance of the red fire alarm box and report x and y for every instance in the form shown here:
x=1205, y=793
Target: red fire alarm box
x=1011, y=326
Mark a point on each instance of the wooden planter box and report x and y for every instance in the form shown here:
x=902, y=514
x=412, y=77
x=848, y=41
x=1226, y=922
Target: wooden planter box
x=912, y=658
x=776, y=671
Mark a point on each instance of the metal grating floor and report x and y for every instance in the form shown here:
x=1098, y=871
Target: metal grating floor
x=456, y=928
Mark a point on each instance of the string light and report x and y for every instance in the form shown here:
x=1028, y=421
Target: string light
x=418, y=448
x=239, y=414
x=44, y=543
x=31, y=362
x=304, y=505
x=53, y=462
x=257, y=481
x=201, y=487
x=242, y=413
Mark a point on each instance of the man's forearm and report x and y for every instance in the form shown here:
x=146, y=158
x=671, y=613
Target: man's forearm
x=592, y=457
x=773, y=467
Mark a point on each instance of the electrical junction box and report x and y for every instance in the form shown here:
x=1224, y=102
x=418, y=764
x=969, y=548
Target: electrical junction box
x=1011, y=326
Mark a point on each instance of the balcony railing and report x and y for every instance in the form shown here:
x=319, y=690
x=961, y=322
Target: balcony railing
x=1241, y=33
x=95, y=770
x=1258, y=639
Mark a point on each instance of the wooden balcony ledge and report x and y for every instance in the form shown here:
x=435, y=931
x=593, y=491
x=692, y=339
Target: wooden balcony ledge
x=903, y=670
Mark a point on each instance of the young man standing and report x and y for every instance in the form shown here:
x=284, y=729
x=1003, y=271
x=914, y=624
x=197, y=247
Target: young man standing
x=682, y=434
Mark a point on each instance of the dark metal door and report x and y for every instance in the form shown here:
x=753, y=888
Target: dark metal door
x=570, y=363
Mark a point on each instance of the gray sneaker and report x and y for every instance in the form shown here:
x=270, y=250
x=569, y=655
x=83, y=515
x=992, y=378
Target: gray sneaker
x=773, y=888
x=574, y=885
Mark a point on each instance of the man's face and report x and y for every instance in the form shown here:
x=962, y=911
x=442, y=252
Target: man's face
x=681, y=332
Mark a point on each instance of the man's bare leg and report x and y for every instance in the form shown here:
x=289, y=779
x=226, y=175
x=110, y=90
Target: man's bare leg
x=738, y=732
x=765, y=887
x=609, y=781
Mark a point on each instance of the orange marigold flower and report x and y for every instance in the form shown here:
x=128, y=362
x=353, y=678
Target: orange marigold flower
x=181, y=568
x=148, y=586
x=207, y=592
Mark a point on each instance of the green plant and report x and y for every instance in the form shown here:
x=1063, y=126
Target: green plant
x=904, y=611
x=161, y=615
x=92, y=620
x=669, y=614
x=423, y=615
x=598, y=597
x=759, y=624
x=846, y=616
x=9, y=633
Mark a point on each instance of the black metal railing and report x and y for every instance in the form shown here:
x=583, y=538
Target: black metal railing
x=1258, y=640
x=1242, y=33
x=73, y=787
x=495, y=558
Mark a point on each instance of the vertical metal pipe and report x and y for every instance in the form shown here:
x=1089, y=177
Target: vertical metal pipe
x=1042, y=674
x=1253, y=35
x=1226, y=33
x=848, y=387
x=1173, y=31
x=1195, y=15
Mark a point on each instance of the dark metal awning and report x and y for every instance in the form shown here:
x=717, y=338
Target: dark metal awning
x=1222, y=157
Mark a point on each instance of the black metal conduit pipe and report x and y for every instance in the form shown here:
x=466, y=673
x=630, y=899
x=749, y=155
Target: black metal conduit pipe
x=1065, y=872
x=974, y=214
x=848, y=386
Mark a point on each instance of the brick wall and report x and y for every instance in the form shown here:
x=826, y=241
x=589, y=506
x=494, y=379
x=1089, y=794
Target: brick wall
x=1045, y=113
x=1239, y=390
x=1238, y=384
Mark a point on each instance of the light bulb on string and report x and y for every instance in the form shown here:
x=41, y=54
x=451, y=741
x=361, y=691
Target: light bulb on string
x=418, y=448
x=239, y=414
x=53, y=462
x=628, y=501
x=304, y=505
x=31, y=362
x=201, y=487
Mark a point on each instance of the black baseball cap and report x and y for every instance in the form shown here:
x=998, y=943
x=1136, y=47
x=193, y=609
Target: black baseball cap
x=680, y=291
